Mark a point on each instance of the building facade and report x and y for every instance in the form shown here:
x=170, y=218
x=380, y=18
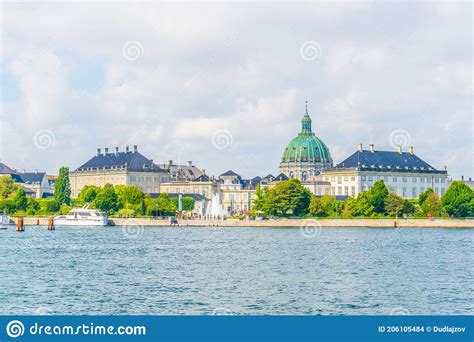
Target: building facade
x=119, y=168
x=35, y=184
x=403, y=173
x=305, y=155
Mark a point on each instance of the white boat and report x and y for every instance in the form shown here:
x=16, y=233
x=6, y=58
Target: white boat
x=5, y=222
x=82, y=217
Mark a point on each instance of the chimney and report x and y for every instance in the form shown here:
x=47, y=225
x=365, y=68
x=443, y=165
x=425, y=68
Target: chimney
x=359, y=147
x=190, y=163
x=98, y=151
x=203, y=171
x=135, y=148
x=371, y=148
x=470, y=179
x=462, y=178
x=116, y=150
x=106, y=150
x=446, y=167
x=399, y=148
x=170, y=162
x=36, y=170
x=127, y=149
x=410, y=150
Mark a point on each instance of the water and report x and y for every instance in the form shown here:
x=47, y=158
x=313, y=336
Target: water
x=193, y=271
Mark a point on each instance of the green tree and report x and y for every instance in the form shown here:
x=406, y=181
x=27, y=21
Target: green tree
x=259, y=200
x=20, y=202
x=188, y=203
x=432, y=205
x=161, y=206
x=408, y=207
x=88, y=193
x=377, y=195
x=129, y=194
x=62, y=187
x=106, y=199
x=349, y=207
x=288, y=198
x=394, y=204
x=458, y=201
x=326, y=206
x=424, y=195
x=363, y=207
x=7, y=186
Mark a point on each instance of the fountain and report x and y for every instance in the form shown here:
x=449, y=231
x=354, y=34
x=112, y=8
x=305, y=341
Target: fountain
x=215, y=210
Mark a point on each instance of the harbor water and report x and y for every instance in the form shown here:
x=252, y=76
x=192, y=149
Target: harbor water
x=254, y=271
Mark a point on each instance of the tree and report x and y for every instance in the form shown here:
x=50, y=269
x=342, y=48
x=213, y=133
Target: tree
x=259, y=200
x=62, y=187
x=188, y=203
x=408, y=207
x=20, y=202
x=7, y=186
x=394, y=204
x=458, y=200
x=377, y=195
x=349, y=207
x=432, y=205
x=106, y=199
x=424, y=195
x=88, y=193
x=161, y=206
x=129, y=194
x=363, y=206
x=325, y=206
x=288, y=198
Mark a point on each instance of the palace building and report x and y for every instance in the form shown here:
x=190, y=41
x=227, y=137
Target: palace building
x=305, y=155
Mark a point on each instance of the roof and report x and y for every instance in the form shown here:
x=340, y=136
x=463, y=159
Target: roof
x=229, y=173
x=32, y=177
x=5, y=169
x=182, y=171
x=280, y=177
x=132, y=161
x=202, y=178
x=388, y=161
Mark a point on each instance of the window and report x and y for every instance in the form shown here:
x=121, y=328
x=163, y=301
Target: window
x=346, y=178
x=404, y=179
x=353, y=191
x=385, y=178
x=339, y=180
x=339, y=190
x=413, y=193
x=353, y=178
x=395, y=179
x=363, y=178
x=437, y=191
x=333, y=190
x=371, y=178
x=443, y=180
x=346, y=190
x=413, y=179
x=436, y=180
x=422, y=179
x=404, y=191
x=378, y=177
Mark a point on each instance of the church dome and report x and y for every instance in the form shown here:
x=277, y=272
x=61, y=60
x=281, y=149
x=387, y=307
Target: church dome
x=306, y=147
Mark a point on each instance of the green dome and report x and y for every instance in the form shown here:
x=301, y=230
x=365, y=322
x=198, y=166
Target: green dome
x=306, y=147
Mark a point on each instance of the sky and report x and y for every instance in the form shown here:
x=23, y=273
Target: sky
x=225, y=84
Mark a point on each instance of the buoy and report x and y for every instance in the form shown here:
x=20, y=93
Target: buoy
x=50, y=223
x=37, y=222
x=19, y=224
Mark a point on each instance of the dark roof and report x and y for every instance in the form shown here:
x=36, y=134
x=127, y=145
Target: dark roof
x=32, y=177
x=202, y=178
x=256, y=180
x=250, y=183
x=268, y=177
x=388, y=161
x=280, y=177
x=229, y=173
x=16, y=177
x=5, y=169
x=132, y=161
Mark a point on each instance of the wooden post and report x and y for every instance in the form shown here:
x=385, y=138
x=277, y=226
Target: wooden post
x=19, y=224
x=50, y=223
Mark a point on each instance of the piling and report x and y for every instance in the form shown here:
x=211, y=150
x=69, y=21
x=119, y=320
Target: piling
x=50, y=223
x=20, y=224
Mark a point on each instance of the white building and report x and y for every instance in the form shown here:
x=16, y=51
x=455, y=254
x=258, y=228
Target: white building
x=403, y=173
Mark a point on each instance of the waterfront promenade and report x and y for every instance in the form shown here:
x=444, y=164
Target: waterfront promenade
x=284, y=223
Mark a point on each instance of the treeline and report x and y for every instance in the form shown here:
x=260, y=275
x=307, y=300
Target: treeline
x=290, y=199
x=119, y=200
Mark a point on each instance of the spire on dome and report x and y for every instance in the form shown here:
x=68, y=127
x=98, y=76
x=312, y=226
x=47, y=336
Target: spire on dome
x=306, y=122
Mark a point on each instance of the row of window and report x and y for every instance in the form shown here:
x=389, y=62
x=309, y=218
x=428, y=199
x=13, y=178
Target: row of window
x=404, y=191
x=146, y=179
x=403, y=179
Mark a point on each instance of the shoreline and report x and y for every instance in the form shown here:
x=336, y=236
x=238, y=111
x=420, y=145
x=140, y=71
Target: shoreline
x=280, y=223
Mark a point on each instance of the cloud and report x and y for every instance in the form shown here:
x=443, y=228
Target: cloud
x=234, y=67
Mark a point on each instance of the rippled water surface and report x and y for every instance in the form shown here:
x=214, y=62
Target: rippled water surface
x=274, y=271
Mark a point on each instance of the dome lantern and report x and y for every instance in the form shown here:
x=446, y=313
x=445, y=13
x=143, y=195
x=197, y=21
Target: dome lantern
x=306, y=122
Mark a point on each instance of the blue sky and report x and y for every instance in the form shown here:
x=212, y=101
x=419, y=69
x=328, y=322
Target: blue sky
x=71, y=81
